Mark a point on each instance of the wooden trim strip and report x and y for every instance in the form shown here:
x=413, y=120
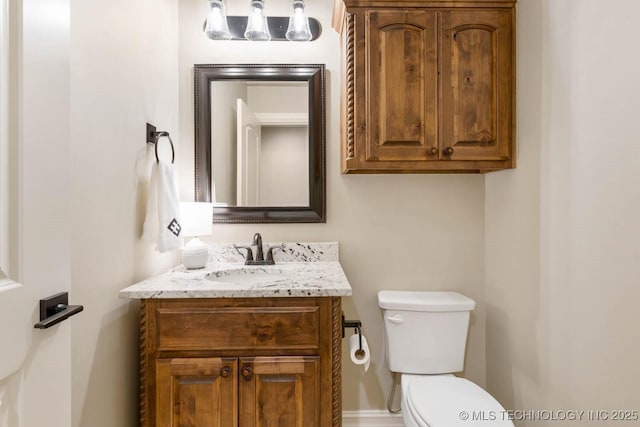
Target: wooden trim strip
x=336, y=361
x=143, y=363
x=351, y=86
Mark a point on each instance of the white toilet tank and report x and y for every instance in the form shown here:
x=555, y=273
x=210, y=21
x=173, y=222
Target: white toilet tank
x=426, y=332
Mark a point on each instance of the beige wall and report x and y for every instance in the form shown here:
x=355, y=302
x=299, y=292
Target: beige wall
x=124, y=64
x=395, y=232
x=562, y=246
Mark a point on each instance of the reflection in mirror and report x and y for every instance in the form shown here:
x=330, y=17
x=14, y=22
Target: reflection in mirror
x=260, y=142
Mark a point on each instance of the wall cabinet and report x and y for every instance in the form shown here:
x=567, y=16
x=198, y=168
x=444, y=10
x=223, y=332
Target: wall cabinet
x=429, y=86
x=242, y=362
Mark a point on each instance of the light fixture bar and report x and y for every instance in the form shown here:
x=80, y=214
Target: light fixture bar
x=278, y=26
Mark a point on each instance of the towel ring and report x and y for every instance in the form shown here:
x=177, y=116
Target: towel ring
x=159, y=135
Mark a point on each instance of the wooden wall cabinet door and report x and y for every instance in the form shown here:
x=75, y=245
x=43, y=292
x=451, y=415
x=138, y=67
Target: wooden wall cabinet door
x=279, y=391
x=429, y=86
x=476, y=85
x=401, y=73
x=196, y=392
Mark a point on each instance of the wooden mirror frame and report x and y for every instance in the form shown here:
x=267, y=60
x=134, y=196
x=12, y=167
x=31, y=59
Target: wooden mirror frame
x=314, y=74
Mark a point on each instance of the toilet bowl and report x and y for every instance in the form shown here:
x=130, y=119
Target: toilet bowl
x=426, y=336
x=447, y=400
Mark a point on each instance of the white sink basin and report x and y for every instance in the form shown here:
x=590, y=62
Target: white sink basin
x=249, y=275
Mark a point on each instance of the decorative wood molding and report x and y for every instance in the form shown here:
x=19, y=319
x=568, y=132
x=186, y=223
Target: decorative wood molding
x=336, y=360
x=351, y=86
x=143, y=363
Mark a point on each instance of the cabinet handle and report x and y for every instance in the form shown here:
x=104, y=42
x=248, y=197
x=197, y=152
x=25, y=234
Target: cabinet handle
x=246, y=373
x=225, y=372
x=448, y=151
x=433, y=151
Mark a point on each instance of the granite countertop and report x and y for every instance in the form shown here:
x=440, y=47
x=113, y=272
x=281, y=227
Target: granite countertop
x=301, y=270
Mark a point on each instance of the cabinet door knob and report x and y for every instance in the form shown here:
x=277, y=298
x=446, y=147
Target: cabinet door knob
x=448, y=151
x=433, y=151
x=225, y=372
x=246, y=373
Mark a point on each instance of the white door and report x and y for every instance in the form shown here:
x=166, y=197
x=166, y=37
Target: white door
x=35, y=365
x=15, y=328
x=248, y=156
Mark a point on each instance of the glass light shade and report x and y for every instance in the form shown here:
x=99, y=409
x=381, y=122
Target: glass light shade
x=217, y=27
x=196, y=218
x=298, y=30
x=257, y=27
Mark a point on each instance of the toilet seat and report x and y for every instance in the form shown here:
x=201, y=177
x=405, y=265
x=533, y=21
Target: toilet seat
x=441, y=401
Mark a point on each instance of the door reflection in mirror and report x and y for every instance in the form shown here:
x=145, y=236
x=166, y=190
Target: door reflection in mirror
x=260, y=143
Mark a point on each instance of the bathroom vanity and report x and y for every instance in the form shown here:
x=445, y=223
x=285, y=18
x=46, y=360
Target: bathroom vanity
x=235, y=345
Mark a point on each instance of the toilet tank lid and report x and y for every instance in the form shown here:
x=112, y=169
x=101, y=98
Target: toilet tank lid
x=425, y=301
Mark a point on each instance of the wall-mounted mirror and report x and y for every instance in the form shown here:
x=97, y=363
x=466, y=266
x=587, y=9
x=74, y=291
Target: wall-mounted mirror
x=260, y=142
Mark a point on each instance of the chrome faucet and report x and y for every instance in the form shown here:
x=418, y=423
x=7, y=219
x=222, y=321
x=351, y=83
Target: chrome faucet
x=259, y=258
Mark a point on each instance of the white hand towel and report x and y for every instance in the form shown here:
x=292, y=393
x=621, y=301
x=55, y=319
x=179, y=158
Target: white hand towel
x=162, y=221
x=150, y=226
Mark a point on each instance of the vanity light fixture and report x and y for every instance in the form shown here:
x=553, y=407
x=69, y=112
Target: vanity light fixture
x=257, y=27
x=216, y=27
x=298, y=30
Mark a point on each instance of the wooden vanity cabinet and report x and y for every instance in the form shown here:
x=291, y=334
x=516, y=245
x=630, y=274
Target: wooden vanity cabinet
x=428, y=86
x=247, y=362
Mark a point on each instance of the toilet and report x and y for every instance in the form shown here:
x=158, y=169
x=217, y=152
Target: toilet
x=426, y=335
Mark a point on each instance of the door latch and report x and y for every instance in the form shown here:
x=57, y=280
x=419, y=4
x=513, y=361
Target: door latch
x=55, y=309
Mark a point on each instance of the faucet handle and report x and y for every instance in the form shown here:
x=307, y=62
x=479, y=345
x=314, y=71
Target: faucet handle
x=270, y=259
x=249, y=257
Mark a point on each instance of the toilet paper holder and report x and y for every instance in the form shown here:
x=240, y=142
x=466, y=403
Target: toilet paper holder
x=356, y=324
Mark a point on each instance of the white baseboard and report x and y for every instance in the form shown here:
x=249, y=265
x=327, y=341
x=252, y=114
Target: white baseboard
x=371, y=419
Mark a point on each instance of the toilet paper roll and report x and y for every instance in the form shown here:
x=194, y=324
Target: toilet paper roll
x=359, y=356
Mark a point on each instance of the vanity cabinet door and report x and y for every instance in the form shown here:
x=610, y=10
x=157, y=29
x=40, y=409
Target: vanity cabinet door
x=477, y=85
x=197, y=392
x=279, y=391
